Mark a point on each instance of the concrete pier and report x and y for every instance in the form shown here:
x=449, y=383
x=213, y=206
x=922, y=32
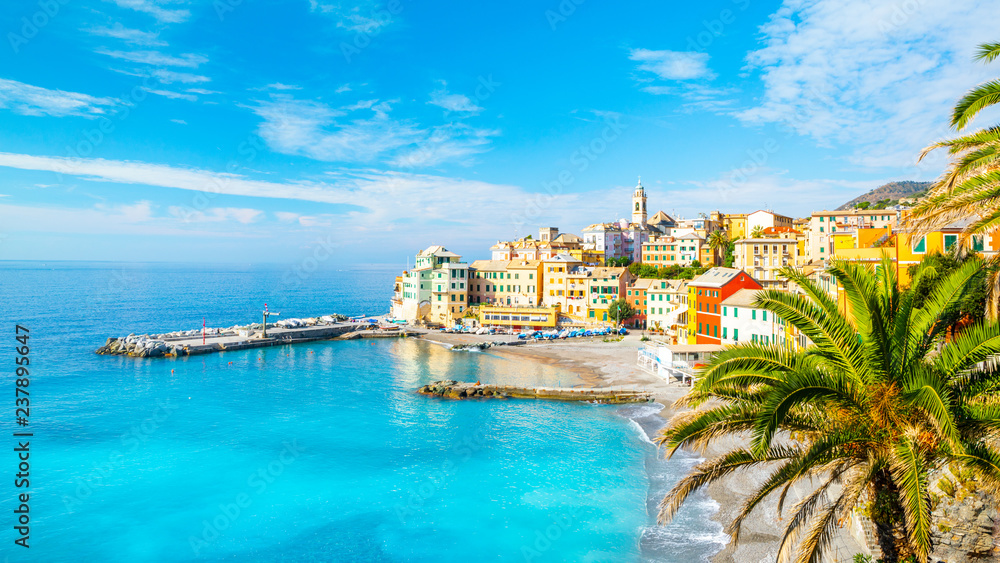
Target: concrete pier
x=146, y=347
x=462, y=390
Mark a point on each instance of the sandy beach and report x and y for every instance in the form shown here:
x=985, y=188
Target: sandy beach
x=607, y=364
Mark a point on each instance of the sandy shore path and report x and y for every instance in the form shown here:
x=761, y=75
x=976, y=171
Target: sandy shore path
x=607, y=364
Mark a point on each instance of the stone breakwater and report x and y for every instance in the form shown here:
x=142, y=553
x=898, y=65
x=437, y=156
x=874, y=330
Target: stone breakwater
x=288, y=331
x=461, y=390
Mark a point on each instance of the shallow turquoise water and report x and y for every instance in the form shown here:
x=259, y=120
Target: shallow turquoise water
x=314, y=452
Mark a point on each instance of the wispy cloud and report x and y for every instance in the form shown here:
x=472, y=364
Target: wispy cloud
x=163, y=10
x=456, y=103
x=173, y=95
x=451, y=142
x=320, y=132
x=673, y=65
x=365, y=16
x=880, y=76
x=26, y=99
x=217, y=214
x=132, y=36
x=155, y=58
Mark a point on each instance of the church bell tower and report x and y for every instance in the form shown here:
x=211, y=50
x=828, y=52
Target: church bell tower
x=639, y=205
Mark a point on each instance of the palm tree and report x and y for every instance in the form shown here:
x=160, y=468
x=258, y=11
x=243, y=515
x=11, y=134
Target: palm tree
x=870, y=408
x=970, y=187
x=718, y=241
x=757, y=232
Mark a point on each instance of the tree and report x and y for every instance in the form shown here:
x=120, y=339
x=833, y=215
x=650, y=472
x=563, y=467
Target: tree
x=869, y=409
x=970, y=185
x=863, y=205
x=620, y=310
x=757, y=232
x=718, y=241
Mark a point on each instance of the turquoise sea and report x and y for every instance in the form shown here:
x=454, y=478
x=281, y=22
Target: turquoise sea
x=314, y=452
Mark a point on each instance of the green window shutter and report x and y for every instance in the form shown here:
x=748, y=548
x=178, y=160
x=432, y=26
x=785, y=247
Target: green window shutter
x=753, y=314
x=949, y=241
x=921, y=246
x=736, y=335
x=765, y=314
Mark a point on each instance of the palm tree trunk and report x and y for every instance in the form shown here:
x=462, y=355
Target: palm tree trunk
x=887, y=516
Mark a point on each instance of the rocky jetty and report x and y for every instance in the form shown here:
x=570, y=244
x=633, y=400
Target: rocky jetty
x=142, y=346
x=451, y=389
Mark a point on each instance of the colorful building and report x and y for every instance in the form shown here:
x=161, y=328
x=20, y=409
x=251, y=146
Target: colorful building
x=508, y=282
x=518, y=318
x=636, y=296
x=433, y=291
x=666, y=309
x=824, y=224
x=705, y=296
x=763, y=258
x=743, y=321
x=675, y=250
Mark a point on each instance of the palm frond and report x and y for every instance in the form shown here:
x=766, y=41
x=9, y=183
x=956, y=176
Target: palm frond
x=978, y=99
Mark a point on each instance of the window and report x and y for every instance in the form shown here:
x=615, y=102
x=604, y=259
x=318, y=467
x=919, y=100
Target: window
x=822, y=249
x=753, y=314
x=699, y=328
x=821, y=229
x=716, y=330
x=765, y=314
x=724, y=330
x=736, y=313
x=977, y=243
x=921, y=246
x=949, y=241
x=716, y=309
x=736, y=335
x=724, y=313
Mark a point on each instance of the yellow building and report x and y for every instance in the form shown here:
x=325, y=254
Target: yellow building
x=554, y=272
x=588, y=256
x=906, y=250
x=508, y=282
x=735, y=225
x=518, y=318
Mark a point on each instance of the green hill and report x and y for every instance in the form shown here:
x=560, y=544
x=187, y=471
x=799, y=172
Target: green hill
x=890, y=193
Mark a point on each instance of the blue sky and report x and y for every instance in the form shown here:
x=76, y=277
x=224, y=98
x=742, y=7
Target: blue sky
x=263, y=130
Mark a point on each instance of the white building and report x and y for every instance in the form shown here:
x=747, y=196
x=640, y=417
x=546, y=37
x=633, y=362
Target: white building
x=743, y=322
x=666, y=308
x=824, y=223
x=765, y=219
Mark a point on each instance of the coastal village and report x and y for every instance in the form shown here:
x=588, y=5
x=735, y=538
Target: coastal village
x=689, y=284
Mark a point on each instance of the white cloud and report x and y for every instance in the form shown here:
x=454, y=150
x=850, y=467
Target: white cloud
x=364, y=16
x=179, y=121
x=155, y=58
x=173, y=95
x=216, y=214
x=673, y=65
x=342, y=89
x=202, y=91
x=33, y=100
x=317, y=131
x=133, y=36
x=280, y=86
x=351, y=134
x=879, y=76
x=444, y=206
x=170, y=77
x=156, y=9
x=455, y=141
x=458, y=103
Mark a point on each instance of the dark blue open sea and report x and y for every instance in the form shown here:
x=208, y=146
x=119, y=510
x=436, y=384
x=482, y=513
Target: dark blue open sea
x=314, y=452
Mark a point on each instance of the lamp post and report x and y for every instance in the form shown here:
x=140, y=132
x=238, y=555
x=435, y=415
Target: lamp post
x=263, y=333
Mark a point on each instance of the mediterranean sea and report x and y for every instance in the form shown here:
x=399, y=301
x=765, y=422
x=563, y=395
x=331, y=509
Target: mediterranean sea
x=313, y=452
